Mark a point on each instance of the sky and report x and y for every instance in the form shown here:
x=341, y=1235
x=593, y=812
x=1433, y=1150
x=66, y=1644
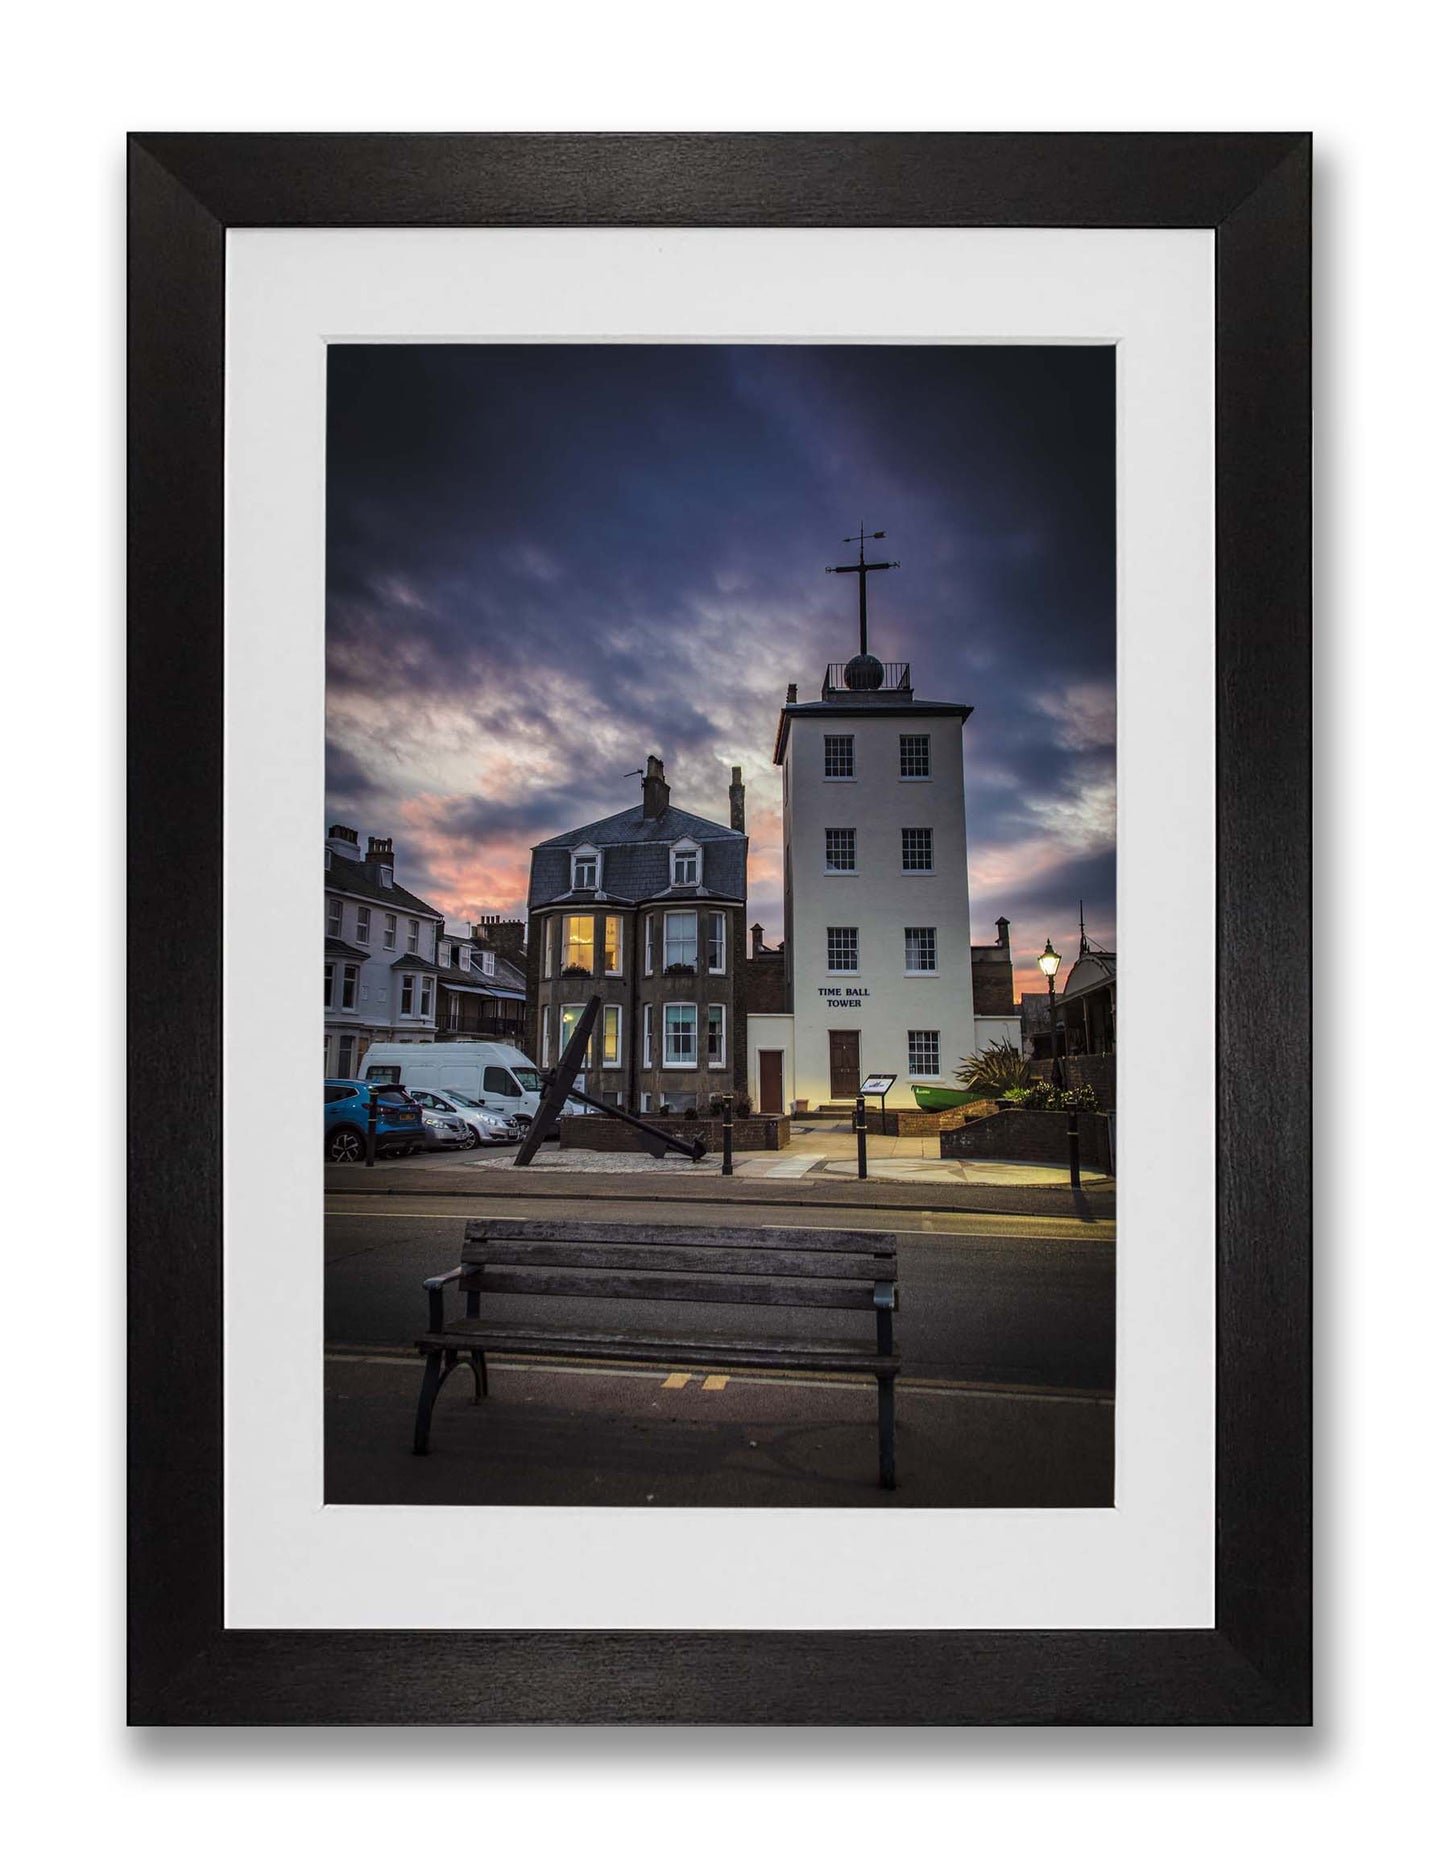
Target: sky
x=546, y=562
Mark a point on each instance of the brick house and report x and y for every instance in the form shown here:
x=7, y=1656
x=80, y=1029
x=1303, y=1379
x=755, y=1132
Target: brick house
x=645, y=909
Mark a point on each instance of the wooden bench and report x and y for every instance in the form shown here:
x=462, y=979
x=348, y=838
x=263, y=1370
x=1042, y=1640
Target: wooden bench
x=843, y=1270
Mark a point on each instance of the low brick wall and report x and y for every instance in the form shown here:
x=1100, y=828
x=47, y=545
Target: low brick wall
x=914, y=1123
x=1031, y=1139
x=594, y=1132
x=1095, y=1071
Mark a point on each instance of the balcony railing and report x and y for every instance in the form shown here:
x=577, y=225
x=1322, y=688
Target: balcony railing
x=896, y=679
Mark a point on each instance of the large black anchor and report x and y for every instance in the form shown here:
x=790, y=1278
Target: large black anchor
x=559, y=1085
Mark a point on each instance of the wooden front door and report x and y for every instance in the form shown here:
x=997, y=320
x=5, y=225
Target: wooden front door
x=843, y=1074
x=770, y=1080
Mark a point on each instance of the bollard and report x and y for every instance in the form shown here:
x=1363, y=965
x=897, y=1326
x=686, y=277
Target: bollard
x=371, y=1126
x=727, y=1169
x=1073, y=1149
x=860, y=1122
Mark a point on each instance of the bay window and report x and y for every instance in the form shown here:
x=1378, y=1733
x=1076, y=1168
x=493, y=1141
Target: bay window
x=717, y=942
x=679, y=940
x=577, y=941
x=679, y=1035
x=612, y=945
x=716, y=1036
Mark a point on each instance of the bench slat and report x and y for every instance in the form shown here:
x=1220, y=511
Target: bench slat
x=631, y=1257
x=480, y=1231
x=663, y=1287
x=754, y=1354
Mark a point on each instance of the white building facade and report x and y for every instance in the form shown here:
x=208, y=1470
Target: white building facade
x=875, y=861
x=380, y=965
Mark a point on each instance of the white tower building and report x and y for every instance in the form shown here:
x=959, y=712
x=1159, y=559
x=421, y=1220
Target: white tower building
x=875, y=872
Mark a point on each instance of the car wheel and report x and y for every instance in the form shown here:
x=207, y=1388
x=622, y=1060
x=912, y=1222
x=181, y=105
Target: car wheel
x=345, y=1146
x=472, y=1139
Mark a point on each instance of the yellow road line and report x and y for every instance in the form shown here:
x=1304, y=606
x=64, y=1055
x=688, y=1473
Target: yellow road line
x=679, y=1380
x=714, y=1383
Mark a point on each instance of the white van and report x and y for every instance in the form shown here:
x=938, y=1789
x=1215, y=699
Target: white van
x=494, y=1073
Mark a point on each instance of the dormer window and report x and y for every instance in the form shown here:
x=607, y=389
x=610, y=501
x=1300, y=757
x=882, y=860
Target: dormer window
x=686, y=862
x=586, y=867
x=384, y=874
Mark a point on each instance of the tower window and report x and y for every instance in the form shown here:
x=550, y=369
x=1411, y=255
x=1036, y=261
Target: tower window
x=837, y=756
x=923, y=1051
x=913, y=760
x=842, y=949
x=918, y=851
x=920, y=949
x=840, y=852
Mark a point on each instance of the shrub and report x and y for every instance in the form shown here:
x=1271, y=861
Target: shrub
x=993, y=1071
x=575, y=971
x=742, y=1107
x=664, y=1108
x=690, y=1113
x=679, y=971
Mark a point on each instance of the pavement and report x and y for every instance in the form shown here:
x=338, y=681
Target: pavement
x=567, y=1435
x=818, y=1176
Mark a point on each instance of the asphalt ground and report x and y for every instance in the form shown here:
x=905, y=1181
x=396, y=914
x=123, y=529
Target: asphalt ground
x=1005, y=1326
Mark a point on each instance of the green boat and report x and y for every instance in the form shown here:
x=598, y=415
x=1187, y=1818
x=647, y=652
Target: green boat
x=935, y=1099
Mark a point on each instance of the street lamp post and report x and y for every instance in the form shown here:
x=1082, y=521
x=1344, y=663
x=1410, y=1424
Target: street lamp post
x=1049, y=964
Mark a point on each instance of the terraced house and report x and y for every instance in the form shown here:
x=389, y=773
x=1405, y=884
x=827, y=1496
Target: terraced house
x=381, y=951
x=645, y=909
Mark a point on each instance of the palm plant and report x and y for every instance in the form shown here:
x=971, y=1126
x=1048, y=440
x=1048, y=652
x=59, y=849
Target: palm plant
x=994, y=1071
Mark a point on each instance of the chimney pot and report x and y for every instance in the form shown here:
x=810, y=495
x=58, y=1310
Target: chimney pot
x=1002, y=924
x=757, y=933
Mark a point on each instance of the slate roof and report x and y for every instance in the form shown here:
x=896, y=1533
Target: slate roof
x=637, y=861
x=409, y=962
x=338, y=949
x=361, y=880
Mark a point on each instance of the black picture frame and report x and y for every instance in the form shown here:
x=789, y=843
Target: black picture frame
x=1253, y=192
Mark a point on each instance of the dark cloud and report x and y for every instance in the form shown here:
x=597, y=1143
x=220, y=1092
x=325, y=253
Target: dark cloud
x=545, y=562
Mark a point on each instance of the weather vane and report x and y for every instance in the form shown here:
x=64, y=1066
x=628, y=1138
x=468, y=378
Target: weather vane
x=863, y=568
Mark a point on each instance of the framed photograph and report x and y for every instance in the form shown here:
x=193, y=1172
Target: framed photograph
x=772, y=673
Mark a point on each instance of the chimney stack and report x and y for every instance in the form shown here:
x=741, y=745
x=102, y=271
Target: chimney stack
x=655, y=792
x=736, y=812
x=757, y=933
x=378, y=852
x=341, y=841
x=1002, y=924
x=792, y=694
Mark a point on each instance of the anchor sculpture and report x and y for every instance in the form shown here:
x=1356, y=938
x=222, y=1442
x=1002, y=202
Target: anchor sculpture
x=559, y=1085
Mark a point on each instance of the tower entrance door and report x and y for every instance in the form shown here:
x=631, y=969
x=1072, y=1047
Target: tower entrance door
x=843, y=1070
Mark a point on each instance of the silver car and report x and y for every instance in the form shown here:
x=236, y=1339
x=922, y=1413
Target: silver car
x=442, y=1129
x=481, y=1124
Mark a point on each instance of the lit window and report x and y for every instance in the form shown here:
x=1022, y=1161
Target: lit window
x=363, y=926
x=577, y=941
x=679, y=940
x=923, y=1051
x=679, y=1036
x=717, y=942
x=920, y=949
x=685, y=865
x=612, y=1035
x=842, y=949
x=716, y=1037
x=388, y=932
x=333, y=917
x=612, y=944
x=917, y=850
x=837, y=755
x=840, y=852
x=913, y=760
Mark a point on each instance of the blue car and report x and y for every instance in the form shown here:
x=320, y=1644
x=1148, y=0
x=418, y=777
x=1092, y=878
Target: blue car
x=398, y=1121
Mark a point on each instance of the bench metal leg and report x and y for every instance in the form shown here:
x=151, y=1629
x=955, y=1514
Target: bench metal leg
x=431, y=1382
x=479, y=1374
x=886, y=1464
